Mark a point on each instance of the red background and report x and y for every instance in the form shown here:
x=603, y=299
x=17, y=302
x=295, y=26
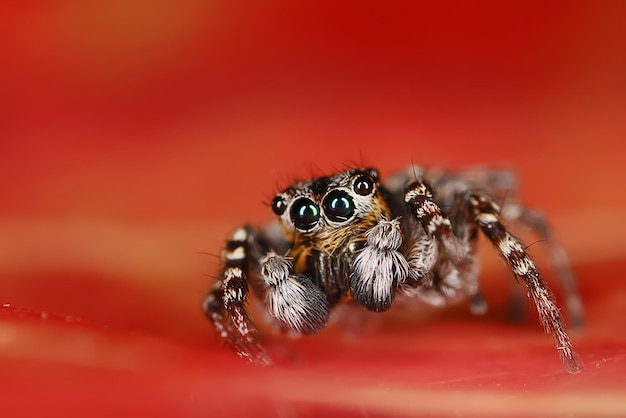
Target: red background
x=135, y=134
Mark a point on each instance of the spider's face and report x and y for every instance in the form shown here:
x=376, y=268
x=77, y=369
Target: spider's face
x=329, y=212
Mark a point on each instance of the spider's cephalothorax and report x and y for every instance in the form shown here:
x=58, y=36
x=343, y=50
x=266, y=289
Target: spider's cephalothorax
x=348, y=237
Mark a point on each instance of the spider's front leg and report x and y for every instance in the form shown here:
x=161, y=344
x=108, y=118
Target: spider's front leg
x=225, y=304
x=379, y=267
x=293, y=299
x=486, y=215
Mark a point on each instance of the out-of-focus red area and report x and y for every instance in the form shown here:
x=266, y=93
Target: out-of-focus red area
x=135, y=134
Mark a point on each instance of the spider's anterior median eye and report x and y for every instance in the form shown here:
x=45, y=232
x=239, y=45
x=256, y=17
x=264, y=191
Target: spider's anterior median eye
x=363, y=185
x=338, y=206
x=304, y=214
x=279, y=205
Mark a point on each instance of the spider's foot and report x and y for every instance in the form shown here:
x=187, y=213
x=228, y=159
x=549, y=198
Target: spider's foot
x=478, y=304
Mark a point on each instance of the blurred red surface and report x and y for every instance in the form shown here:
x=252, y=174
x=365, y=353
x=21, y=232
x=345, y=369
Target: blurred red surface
x=135, y=134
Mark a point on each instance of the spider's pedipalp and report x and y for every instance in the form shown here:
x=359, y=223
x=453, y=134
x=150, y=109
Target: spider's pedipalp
x=293, y=299
x=379, y=267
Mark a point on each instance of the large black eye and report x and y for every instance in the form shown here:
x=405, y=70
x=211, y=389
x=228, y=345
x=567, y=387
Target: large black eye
x=363, y=185
x=304, y=214
x=279, y=205
x=338, y=206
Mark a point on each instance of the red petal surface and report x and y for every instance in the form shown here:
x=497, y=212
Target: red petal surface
x=136, y=134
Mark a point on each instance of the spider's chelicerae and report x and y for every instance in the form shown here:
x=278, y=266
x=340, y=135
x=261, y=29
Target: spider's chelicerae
x=351, y=237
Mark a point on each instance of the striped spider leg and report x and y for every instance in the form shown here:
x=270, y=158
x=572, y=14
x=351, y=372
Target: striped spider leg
x=486, y=216
x=292, y=299
x=458, y=276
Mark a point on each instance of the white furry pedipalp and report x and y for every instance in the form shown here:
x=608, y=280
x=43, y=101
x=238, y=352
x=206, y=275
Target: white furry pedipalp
x=299, y=304
x=379, y=267
x=292, y=298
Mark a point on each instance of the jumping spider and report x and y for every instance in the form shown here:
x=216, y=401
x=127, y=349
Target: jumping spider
x=350, y=237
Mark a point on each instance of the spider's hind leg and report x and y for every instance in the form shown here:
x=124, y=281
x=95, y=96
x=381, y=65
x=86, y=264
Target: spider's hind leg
x=538, y=224
x=501, y=186
x=486, y=215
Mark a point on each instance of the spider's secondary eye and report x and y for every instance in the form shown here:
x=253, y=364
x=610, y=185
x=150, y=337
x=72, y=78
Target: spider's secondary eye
x=338, y=206
x=304, y=214
x=279, y=205
x=363, y=185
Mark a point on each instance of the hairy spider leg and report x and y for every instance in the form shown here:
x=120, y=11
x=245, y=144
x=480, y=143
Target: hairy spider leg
x=486, y=215
x=501, y=185
x=293, y=300
x=537, y=223
x=225, y=304
x=419, y=197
